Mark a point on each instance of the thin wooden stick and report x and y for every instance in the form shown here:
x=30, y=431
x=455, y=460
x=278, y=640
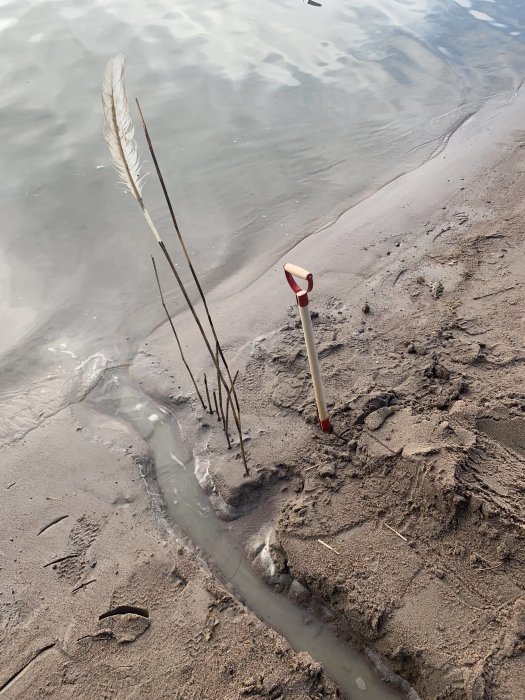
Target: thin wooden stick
x=83, y=585
x=59, y=559
x=498, y=291
x=210, y=409
x=175, y=334
x=182, y=243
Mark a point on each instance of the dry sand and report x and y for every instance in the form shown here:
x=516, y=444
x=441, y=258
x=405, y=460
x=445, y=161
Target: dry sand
x=419, y=490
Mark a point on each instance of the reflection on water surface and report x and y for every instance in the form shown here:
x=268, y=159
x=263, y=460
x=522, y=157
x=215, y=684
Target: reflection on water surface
x=270, y=119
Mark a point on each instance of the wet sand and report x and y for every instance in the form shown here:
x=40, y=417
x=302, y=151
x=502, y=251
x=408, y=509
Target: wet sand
x=419, y=491
x=168, y=629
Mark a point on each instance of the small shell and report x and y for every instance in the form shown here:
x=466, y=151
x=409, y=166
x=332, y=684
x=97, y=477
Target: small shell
x=360, y=683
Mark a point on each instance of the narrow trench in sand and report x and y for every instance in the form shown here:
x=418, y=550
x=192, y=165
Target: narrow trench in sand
x=189, y=507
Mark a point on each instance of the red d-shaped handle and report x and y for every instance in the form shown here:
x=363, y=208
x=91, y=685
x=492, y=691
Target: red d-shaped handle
x=292, y=271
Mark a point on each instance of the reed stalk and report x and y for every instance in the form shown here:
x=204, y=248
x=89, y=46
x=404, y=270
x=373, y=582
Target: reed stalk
x=183, y=245
x=236, y=416
x=216, y=407
x=210, y=410
x=219, y=387
x=228, y=402
x=176, y=334
x=119, y=134
x=236, y=412
x=221, y=407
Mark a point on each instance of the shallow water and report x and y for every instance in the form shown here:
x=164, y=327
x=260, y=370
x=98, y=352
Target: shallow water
x=270, y=119
x=190, y=508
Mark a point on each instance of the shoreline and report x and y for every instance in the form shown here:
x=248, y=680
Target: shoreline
x=403, y=203
x=101, y=597
x=499, y=108
x=304, y=487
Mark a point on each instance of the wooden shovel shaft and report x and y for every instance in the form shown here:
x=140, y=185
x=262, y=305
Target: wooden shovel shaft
x=313, y=361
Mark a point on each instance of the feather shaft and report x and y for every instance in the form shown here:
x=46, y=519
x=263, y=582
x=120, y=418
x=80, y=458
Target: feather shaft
x=119, y=133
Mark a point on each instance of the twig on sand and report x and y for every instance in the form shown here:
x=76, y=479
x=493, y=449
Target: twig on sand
x=380, y=442
x=443, y=230
x=329, y=547
x=100, y=636
x=498, y=291
x=53, y=522
x=490, y=564
x=176, y=334
x=57, y=561
x=396, y=532
x=399, y=274
x=83, y=585
x=491, y=568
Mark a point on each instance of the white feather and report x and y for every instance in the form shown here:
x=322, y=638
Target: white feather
x=119, y=133
x=118, y=128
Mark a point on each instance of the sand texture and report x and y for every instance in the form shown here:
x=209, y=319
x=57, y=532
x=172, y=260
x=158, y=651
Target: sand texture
x=168, y=630
x=419, y=491
x=404, y=529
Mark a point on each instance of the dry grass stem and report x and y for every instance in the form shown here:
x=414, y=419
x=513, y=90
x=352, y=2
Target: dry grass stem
x=210, y=409
x=235, y=410
x=119, y=134
x=236, y=416
x=216, y=407
x=176, y=334
x=396, y=532
x=219, y=386
x=329, y=547
x=228, y=402
x=182, y=243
